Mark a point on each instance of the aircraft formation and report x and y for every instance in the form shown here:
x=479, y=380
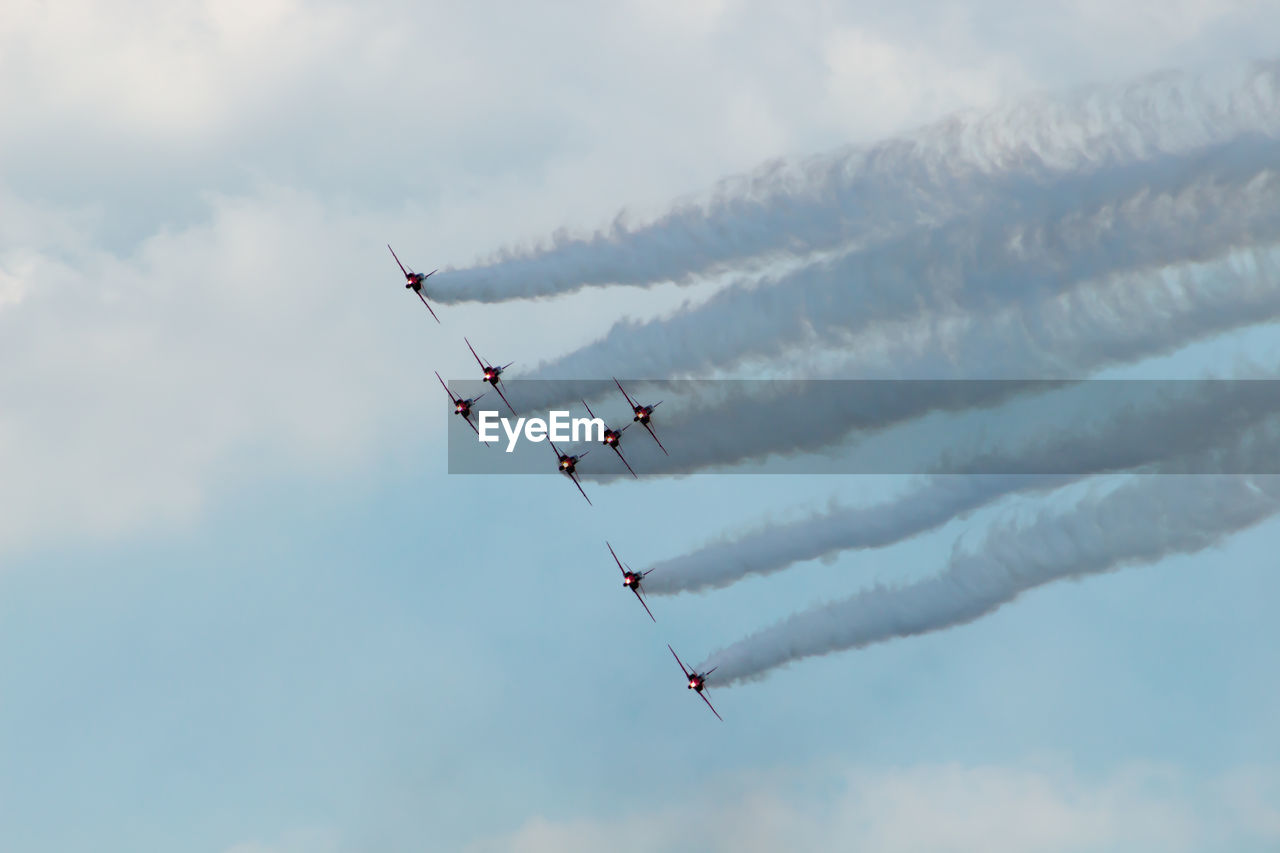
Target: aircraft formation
x=567, y=463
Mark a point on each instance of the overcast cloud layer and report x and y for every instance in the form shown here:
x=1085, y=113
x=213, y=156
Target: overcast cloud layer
x=242, y=608
x=965, y=809
x=949, y=169
x=124, y=181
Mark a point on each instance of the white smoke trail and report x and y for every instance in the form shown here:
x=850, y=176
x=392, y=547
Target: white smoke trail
x=1070, y=336
x=1143, y=521
x=1196, y=417
x=957, y=164
x=1043, y=243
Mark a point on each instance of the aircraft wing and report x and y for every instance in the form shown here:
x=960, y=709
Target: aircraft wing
x=677, y=657
x=393, y=254
x=640, y=599
x=579, y=485
x=616, y=560
x=446, y=388
x=709, y=705
x=474, y=428
x=625, y=462
x=624, y=392
x=473, y=353
x=428, y=304
x=505, y=400
x=589, y=412
x=655, y=438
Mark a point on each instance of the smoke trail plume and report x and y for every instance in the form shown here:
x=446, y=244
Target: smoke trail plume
x=1073, y=335
x=867, y=194
x=722, y=424
x=1199, y=416
x=1150, y=215
x=1141, y=522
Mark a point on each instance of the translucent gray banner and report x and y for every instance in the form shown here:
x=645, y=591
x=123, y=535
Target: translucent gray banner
x=1037, y=427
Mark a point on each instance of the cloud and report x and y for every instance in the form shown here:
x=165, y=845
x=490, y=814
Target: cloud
x=254, y=343
x=149, y=287
x=875, y=82
x=388, y=100
x=1038, y=807
x=1020, y=159
x=175, y=71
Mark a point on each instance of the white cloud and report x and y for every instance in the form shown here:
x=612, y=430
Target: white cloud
x=947, y=808
x=585, y=109
x=273, y=338
x=159, y=69
x=13, y=284
x=1140, y=27
x=258, y=341
x=877, y=85
x=148, y=336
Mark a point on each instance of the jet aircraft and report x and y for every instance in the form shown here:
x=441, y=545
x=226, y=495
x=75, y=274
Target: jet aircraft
x=461, y=406
x=631, y=580
x=413, y=281
x=569, y=466
x=697, y=681
x=612, y=438
x=493, y=375
x=642, y=414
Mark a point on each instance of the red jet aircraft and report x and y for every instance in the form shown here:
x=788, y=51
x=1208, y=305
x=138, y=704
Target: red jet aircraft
x=413, y=280
x=697, y=681
x=631, y=580
x=569, y=466
x=492, y=375
x=642, y=413
x=612, y=437
x=461, y=406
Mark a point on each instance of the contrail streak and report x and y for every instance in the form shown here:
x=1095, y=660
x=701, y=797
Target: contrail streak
x=712, y=424
x=1199, y=416
x=1143, y=521
x=1153, y=214
x=866, y=194
x=1071, y=336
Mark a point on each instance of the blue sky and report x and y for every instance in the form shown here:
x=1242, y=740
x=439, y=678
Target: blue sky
x=243, y=608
